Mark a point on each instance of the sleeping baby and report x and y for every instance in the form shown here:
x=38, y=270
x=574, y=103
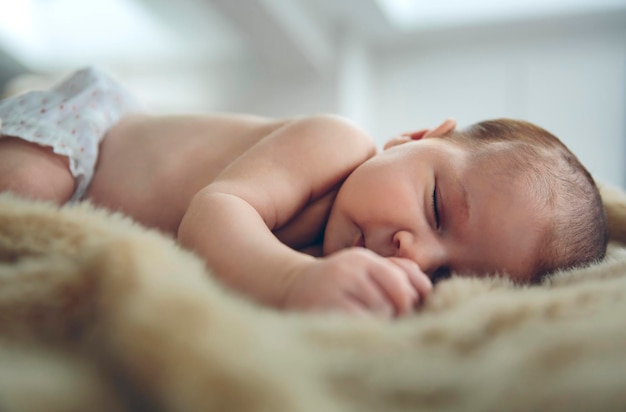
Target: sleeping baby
x=304, y=213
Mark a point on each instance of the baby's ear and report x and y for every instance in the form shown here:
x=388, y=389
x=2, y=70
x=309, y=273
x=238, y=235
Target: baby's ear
x=443, y=129
x=405, y=137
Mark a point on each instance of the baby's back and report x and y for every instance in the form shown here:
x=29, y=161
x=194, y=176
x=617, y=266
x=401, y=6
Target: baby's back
x=150, y=167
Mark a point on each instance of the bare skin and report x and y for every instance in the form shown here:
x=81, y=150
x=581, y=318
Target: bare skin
x=22, y=165
x=264, y=188
x=150, y=167
x=302, y=213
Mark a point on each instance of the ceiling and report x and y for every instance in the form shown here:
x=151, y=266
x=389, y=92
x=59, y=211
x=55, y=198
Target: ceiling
x=54, y=35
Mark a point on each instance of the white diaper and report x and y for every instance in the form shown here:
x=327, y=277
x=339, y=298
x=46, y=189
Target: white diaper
x=71, y=118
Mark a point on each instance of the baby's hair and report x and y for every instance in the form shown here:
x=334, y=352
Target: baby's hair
x=578, y=232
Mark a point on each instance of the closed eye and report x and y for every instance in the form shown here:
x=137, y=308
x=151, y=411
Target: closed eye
x=436, y=207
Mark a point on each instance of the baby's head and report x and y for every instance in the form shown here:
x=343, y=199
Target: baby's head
x=576, y=233
x=499, y=196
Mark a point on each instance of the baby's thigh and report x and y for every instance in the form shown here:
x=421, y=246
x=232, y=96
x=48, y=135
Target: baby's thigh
x=34, y=172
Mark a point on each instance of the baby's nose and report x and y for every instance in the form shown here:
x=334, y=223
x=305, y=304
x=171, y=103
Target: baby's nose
x=403, y=242
x=425, y=252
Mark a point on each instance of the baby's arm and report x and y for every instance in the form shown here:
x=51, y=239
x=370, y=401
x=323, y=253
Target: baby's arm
x=230, y=224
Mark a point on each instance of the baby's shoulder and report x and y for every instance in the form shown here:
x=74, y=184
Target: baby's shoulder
x=327, y=139
x=338, y=130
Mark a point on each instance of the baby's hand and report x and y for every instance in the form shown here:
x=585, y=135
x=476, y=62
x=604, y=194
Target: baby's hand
x=359, y=281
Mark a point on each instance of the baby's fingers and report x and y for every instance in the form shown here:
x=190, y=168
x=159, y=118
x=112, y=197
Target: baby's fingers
x=370, y=297
x=418, y=279
x=397, y=288
x=354, y=308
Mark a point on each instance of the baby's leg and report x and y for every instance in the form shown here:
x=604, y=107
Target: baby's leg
x=34, y=172
x=49, y=140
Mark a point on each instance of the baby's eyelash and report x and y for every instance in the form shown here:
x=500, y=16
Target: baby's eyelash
x=435, y=206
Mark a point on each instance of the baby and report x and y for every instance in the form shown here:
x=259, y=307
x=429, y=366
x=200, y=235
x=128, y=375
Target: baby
x=303, y=213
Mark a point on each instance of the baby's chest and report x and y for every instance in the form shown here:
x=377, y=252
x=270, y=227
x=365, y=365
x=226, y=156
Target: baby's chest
x=306, y=228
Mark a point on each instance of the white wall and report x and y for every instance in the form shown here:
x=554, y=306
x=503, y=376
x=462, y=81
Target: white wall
x=243, y=86
x=579, y=92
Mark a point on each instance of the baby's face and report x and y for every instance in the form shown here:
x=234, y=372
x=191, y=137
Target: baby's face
x=431, y=202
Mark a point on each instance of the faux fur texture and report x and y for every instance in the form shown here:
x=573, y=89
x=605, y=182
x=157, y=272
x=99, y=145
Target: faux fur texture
x=100, y=314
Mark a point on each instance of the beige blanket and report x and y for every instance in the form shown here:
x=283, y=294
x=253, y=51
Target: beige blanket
x=99, y=314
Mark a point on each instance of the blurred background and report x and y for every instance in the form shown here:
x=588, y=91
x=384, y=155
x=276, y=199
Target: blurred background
x=390, y=65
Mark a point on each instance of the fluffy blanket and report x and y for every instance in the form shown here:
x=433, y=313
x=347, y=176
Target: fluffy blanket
x=100, y=314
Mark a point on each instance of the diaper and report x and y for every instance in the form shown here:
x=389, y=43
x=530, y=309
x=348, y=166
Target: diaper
x=71, y=118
